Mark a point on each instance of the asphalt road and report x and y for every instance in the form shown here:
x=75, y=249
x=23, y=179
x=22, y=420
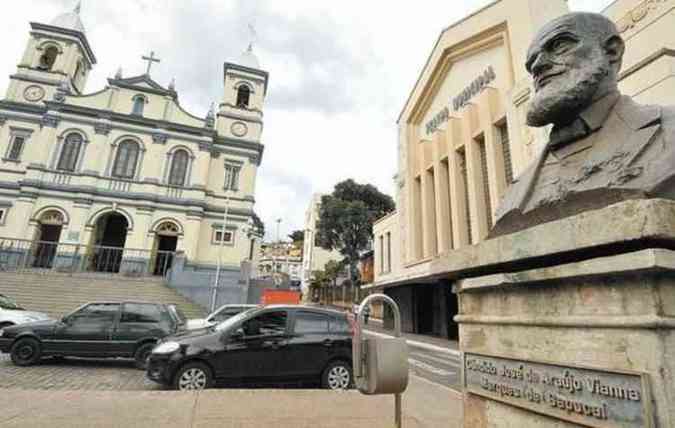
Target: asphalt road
x=441, y=368
x=436, y=364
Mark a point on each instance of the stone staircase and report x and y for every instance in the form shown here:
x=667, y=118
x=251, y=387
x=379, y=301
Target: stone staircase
x=58, y=294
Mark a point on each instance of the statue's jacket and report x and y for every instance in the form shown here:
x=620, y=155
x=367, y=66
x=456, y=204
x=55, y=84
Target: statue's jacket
x=631, y=156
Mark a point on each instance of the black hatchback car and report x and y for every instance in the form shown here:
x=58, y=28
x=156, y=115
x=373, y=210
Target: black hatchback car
x=97, y=330
x=267, y=345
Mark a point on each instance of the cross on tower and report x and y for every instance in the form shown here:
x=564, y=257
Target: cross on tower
x=150, y=60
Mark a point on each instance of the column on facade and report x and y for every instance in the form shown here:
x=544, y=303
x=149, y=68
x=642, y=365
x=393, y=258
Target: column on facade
x=22, y=211
x=98, y=152
x=458, y=185
x=192, y=234
x=473, y=137
x=490, y=113
x=442, y=192
x=200, y=172
x=47, y=135
x=68, y=57
x=427, y=172
x=414, y=186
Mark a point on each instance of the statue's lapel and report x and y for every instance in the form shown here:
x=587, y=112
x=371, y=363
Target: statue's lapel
x=644, y=121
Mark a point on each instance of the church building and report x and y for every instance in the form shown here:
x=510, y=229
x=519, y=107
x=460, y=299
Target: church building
x=125, y=177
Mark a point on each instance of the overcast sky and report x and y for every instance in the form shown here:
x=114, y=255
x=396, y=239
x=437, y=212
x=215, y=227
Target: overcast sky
x=339, y=74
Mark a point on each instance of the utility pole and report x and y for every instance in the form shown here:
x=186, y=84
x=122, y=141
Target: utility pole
x=220, y=252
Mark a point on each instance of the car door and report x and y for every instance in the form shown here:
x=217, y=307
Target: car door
x=87, y=331
x=262, y=350
x=310, y=344
x=138, y=322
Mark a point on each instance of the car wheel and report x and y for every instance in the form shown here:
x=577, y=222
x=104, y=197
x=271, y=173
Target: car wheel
x=26, y=352
x=193, y=377
x=337, y=376
x=141, y=355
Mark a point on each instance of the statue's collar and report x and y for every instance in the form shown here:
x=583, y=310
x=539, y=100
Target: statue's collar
x=598, y=112
x=588, y=122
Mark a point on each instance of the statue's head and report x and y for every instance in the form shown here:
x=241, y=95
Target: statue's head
x=574, y=60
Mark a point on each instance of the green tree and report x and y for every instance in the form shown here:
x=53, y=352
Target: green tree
x=298, y=237
x=346, y=220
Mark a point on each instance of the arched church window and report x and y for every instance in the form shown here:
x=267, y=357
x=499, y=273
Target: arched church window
x=126, y=160
x=70, y=152
x=243, y=96
x=48, y=58
x=139, y=105
x=179, y=165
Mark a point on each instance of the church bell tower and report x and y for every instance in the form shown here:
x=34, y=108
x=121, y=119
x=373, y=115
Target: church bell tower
x=241, y=112
x=57, y=57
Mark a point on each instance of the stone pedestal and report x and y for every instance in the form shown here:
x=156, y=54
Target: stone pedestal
x=572, y=323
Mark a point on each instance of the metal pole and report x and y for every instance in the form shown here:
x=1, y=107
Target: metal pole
x=358, y=372
x=220, y=254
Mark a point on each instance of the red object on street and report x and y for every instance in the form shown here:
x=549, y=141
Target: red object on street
x=271, y=296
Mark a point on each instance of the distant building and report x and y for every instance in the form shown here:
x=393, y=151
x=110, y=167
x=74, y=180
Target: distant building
x=314, y=257
x=125, y=167
x=463, y=139
x=281, y=258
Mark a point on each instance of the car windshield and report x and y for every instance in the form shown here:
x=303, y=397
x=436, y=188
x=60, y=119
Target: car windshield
x=7, y=303
x=234, y=320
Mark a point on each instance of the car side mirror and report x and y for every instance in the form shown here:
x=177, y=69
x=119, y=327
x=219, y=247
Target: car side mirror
x=65, y=320
x=237, y=335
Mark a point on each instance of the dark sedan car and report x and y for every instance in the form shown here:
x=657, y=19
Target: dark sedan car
x=274, y=344
x=99, y=330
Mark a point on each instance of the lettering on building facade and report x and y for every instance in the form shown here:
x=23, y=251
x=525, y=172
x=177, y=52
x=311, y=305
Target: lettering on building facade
x=590, y=397
x=475, y=88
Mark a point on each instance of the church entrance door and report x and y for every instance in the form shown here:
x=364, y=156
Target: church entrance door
x=164, y=248
x=110, y=236
x=49, y=234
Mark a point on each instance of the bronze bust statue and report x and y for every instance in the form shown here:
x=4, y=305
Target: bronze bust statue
x=603, y=147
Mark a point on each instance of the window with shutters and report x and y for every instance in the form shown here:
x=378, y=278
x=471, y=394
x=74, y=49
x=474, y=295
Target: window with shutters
x=222, y=237
x=139, y=105
x=126, y=160
x=232, y=172
x=506, y=150
x=70, y=152
x=179, y=166
x=485, y=181
x=18, y=139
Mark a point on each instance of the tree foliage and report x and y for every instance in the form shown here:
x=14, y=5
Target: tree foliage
x=297, y=236
x=346, y=219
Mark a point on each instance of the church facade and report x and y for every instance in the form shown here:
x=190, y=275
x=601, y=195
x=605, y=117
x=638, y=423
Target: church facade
x=125, y=168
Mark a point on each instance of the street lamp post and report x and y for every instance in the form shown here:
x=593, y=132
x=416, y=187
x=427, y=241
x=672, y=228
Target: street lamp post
x=220, y=253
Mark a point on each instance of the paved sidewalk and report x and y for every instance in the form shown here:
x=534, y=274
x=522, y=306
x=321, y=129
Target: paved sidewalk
x=424, y=405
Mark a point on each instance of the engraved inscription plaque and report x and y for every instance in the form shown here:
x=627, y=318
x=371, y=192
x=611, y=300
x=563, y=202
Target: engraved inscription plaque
x=590, y=397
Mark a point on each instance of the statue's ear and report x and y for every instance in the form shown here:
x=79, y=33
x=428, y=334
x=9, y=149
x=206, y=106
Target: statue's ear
x=614, y=48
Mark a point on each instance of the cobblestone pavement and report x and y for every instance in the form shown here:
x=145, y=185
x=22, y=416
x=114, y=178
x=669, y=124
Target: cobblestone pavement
x=75, y=374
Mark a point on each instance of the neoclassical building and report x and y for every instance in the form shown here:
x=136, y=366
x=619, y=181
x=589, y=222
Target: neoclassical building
x=125, y=166
x=463, y=138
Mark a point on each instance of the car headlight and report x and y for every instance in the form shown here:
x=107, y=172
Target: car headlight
x=2, y=332
x=166, y=348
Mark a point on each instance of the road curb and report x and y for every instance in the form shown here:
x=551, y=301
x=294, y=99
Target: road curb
x=421, y=345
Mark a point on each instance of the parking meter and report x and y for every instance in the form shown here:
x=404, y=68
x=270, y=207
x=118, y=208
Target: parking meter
x=381, y=363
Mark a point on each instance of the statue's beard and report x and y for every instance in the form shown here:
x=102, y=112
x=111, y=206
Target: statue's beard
x=567, y=95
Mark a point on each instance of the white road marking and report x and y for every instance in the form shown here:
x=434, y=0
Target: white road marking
x=436, y=359
x=429, y=368
x=420, y=345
